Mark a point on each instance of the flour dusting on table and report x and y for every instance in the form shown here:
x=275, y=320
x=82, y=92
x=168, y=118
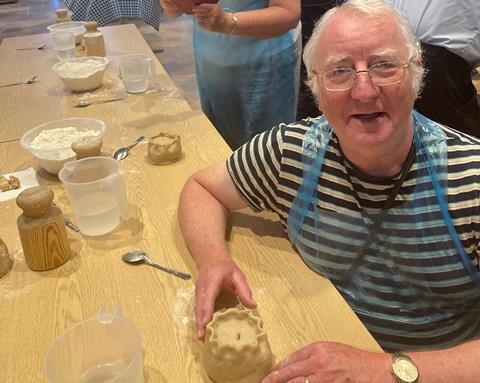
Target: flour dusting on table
x=183, y=310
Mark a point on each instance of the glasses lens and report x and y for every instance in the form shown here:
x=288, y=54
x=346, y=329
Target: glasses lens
x=339, y=78
x=386, y=73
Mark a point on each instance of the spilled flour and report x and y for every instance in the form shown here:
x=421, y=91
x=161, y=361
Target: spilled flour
x=11, y=287
x=183, y=313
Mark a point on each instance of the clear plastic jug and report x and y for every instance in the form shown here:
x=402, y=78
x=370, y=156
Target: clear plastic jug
x=106, y=348
x=137, y=71
x=96, y=192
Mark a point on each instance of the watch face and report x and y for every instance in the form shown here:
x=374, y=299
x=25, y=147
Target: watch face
x=405, y=370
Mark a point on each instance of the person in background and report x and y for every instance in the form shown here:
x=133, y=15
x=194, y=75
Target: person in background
x=372, y=195
x=247, y=57
x=449, y=32
x=114, y=12
x=311, y=11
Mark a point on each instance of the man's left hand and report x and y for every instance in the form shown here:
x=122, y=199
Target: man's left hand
x=328, y=362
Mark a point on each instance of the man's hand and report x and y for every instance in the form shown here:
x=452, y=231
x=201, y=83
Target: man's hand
x=328, y=362
x=211, y=281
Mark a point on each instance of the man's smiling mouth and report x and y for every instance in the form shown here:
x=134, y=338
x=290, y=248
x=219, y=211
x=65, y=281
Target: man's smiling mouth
x=367, y=117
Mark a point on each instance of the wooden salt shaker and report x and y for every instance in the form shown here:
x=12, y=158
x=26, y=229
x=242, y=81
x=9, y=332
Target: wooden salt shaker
x=42, y=229
x=62, y=15
x=91, y=26
x=93, y=40
x=87, y=147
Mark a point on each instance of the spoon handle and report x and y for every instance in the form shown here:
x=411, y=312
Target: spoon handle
x=138, y=140
x=178, y=274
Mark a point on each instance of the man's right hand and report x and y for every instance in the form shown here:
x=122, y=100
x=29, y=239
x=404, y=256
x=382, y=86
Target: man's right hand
x=212, y=279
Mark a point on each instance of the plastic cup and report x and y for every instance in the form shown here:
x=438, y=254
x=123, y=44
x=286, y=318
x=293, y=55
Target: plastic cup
x=106, y=348
x=136, y=71
x=96, y=192
x=64, y=44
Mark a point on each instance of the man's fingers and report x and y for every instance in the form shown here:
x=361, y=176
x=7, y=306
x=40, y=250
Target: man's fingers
x=299, y=355
x=288, y=373
x=205, y=303
x=242, y=291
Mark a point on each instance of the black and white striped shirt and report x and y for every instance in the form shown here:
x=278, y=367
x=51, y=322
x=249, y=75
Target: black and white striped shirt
x=268, y=172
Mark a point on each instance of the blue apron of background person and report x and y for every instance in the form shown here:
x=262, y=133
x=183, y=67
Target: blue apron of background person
x=246, y=85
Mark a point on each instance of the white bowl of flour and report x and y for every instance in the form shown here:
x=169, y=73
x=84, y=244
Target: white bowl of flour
x=82, y=74
x=50, y=143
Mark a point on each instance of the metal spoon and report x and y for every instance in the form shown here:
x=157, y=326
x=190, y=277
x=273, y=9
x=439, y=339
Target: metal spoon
x=138, y=256
x=29, y=48
x=29, y=81
x=121, y=153
x=84, y=103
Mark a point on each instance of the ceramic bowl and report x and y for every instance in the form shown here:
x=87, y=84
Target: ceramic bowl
x=81, y=81
x=52, y=159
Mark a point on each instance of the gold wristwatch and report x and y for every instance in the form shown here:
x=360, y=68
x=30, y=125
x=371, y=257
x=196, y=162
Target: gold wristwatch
x=404, y=370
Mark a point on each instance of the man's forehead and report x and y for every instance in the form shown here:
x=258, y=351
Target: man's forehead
x=350, y=33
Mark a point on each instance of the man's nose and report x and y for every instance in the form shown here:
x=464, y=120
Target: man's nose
x=364, y=89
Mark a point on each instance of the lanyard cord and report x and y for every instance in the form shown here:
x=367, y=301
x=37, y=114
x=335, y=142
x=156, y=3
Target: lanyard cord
x=377, y=222
x=396, y=187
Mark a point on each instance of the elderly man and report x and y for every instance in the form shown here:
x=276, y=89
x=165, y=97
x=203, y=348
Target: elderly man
x=374, y=196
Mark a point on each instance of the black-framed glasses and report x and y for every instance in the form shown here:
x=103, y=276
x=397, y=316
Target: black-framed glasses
x=382, y=74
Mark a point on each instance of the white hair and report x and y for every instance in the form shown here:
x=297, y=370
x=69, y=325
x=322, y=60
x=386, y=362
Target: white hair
x=373, y=9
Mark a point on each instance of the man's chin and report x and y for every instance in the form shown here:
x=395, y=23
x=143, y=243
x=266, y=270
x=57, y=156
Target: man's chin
x=369, y=138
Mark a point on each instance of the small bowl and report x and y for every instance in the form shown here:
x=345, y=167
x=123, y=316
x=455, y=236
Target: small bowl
x=91, y=81
x=75, y=26
x=52, y=159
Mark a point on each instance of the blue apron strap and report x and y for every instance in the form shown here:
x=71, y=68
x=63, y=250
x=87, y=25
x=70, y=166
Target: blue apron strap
x=431, y=151
x=314, y=146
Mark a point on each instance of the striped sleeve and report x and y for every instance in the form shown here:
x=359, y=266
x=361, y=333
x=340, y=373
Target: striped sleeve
x=254, y=169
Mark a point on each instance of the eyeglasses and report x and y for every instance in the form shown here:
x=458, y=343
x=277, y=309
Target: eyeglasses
x=382, y=74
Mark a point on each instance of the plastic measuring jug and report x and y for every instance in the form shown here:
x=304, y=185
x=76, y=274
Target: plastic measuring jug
x=96, y=192
x=106, y=348
x=136, y=70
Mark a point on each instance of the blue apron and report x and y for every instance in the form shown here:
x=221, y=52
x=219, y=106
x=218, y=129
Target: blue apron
x=389, y=264
x=246, y=85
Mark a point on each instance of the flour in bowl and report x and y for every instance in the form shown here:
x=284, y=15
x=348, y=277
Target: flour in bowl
x=61, y=139
x=79, y=69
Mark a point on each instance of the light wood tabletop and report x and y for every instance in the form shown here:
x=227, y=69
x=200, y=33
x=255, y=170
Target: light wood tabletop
x=297, y=306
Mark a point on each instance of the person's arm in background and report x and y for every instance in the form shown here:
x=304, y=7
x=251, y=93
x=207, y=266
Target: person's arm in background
x=205, y=200
x=170, y=9
x=276, y=19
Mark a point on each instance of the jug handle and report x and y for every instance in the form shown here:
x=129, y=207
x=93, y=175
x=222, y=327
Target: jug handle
x=106, y=317
x=153, y=69
x=121, y=194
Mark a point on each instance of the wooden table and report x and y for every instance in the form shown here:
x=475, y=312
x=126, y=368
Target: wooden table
x=297, y=306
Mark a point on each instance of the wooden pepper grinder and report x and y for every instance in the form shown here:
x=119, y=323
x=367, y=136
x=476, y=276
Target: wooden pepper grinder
x=42, y=229
x=91, y=26
x=62, y=15
x=93, y=40
x=87, y=147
